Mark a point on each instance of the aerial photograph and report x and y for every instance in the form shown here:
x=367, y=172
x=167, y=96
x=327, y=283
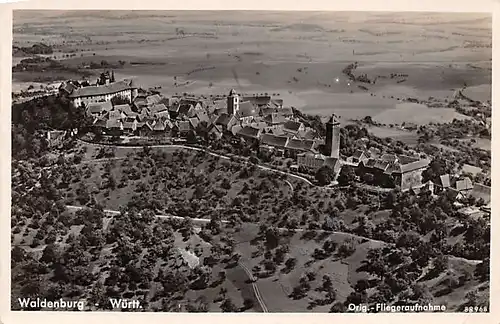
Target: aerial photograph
x=251, y=161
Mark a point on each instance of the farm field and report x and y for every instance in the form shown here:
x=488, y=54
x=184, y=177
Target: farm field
x=273, y=52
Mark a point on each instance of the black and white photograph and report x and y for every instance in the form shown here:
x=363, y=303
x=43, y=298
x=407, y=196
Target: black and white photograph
x=239, y=161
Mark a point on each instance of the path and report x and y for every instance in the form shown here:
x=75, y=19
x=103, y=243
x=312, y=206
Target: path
x=200, y=150
x=102, y=160
x=255, y=288
x=116, y=212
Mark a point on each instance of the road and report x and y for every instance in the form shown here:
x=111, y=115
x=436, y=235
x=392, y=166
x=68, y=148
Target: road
x=255, y=288
x=116, y=212
x=202, y=150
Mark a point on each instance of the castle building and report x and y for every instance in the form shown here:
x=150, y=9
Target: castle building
x=233, y=102
x=332, y=143
x=101, y=93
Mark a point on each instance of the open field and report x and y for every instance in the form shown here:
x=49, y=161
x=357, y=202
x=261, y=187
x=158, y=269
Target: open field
x=417, y=114
x=279, y=53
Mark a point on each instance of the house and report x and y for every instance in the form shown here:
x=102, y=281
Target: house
x=260, y=125
x=144, y=128
x=463, y=188
x=184, y=126
x=114, y=127
x=249, y=133
x=296, y=146
x=185, y=110
x=125, y=109
x=97, y=109
x=202, y=116
x=359, y=156
x=218, y=105
x=246, y=112
x=160, y=129
x=286, y=111
x=226, y=121
x=153, y=100
x=407, y=172
x=292, y=127
x=144, y=114
x=308, y=133
x=310, y=161
x=140, y=103
x=194, y=122
x=129, y=125
x=216, y=131
x=162, y=115
x=267, y=111
x=276, y=103
x=115, y=114
x=235, y=129
x=428, y=186
x=156, y=108
x=483, y=192
x=274, y=130
x=274, y=143
x=221, y=111
x=444, y=181
x=100, y=124
x=275, y=119
x=258, y=100
x=394, y=170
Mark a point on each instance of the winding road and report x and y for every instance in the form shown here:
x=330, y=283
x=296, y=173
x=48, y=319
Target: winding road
x=199, y=150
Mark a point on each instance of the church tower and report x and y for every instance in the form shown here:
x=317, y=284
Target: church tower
x=233, y=103
x=332, y=144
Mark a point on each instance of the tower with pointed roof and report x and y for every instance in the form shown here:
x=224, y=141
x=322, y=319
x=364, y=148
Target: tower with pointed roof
x=332, y=143
x=233, y=102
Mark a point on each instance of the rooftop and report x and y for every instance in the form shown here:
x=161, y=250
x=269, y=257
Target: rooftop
x=301, y=145
x=102, y=90
x=249, y=131
x=271, y=140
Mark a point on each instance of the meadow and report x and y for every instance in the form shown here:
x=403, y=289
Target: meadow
x=281, y=52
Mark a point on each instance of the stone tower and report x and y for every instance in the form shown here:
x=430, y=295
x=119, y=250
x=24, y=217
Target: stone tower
x=233, y=102
x=332, y=144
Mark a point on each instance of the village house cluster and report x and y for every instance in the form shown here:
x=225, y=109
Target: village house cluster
x=257, y=119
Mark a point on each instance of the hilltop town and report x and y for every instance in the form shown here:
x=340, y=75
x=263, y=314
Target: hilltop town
x=120, y=112
x=223, y=198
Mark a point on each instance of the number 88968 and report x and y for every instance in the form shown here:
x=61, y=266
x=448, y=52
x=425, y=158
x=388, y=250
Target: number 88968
x=476, y=309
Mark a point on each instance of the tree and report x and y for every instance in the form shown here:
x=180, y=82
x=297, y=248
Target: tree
x=440, y=264
x=346, y=175
x=248, y=303
x=50, y=254
x=228, y=306
x=368, y=178
x=17, y=254
x=191, y=137
x=324, y=175
x=272, y=237
x=482, y=270
x=338, y=307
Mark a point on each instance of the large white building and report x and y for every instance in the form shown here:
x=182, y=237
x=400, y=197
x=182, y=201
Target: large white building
x=102, y=93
